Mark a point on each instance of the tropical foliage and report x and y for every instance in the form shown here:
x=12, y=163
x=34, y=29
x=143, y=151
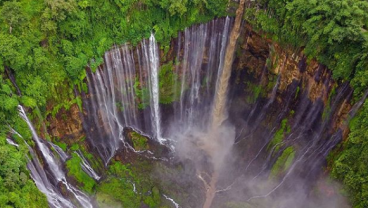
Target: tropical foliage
x=351, y=165
x=16, y=188
x=333, y=31
x=45, y=46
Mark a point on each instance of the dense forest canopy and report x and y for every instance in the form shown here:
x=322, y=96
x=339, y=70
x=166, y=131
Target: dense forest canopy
x=45, y=46
x=333, y=31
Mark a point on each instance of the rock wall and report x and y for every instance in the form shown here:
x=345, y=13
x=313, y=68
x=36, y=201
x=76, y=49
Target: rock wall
x=270, y=84
x=260, y=60
x=66, y=125
x=257, y=65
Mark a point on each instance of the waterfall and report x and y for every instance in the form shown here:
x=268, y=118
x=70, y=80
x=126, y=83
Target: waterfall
x=56, y=170
x=224, y=41
x=121, y=89
x=87, y=167
x=125, y=92
x=154, y=89
x=219, y=108
x=38, y=174
x=63, y=156
x=112, y=102
x=202, y=59
x=172, y=201
x=215, y=143
x=46, y=152
x=103, y=112
x=311, y=135
x=11, y=142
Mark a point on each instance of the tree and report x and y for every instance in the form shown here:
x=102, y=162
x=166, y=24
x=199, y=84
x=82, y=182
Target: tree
x=12, y=15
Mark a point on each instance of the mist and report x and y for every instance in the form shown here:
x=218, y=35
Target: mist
x=214, y=156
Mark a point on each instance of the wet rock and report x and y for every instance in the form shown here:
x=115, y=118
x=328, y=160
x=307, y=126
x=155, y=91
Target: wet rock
x=67, y=124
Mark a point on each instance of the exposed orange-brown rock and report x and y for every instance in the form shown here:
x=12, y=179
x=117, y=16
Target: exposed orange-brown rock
x=341, y=116
x=262, y=58
x=257, y=49
x=66, y=124
x=254, y=53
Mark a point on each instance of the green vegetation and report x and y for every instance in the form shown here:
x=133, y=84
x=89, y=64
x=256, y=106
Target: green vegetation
x=333, y=31
x=117, y=191
x=351, y=164
x=139, y=141
x=95, y=162
x=47, y=44
x=61, y=144
x=168, y=84
x=118, y=188
x=75, y=171
x=8, y=106
x=16, y=188
x=142, y=93
x=74, y=168
x=327, y=110
x=256, y=91
x=297, y=92
x=283, y=162
x=279, y=136
x=272, y=80
x=168, y=79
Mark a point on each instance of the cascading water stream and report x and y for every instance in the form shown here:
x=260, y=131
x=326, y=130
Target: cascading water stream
x=219, y=105
x=126, y=90
x=87, y=167
x=128, y=81
x=199, y=67
x=111, y=104
x=54, y=167
x=46, y=152
x=154, y=89
x=172, y=201
x=63, y=156
x=219, y=112
x=11, y=142
x=121, y=90
x=38, y=174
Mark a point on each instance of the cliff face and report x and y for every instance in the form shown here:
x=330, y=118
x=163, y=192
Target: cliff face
x=260, y=61
x=66, y=125
x=279, y=102
x=264, y=74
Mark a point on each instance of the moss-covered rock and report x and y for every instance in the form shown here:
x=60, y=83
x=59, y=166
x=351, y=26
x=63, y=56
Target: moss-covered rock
x=139, y=141
x=75, y=171
x=284, y=162
x=277, y=139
